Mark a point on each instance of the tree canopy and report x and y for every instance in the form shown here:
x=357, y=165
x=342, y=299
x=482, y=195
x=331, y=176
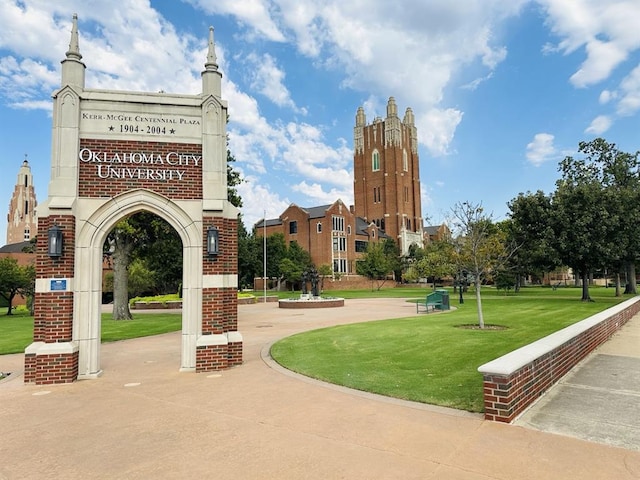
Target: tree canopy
x=15, y=280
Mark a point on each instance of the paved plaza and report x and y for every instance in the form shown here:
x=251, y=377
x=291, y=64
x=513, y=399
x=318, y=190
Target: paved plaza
x=144, y=419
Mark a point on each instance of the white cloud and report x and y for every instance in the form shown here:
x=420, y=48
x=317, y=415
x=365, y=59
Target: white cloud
x=436, y=129
x=606, y=96
x=318, y=196
x=429, y=43
x=268, y=79
x=258, y=199
x=541, y=149
x=253, y=13
x=630, y=93
x=599, y=125
x=608, y=31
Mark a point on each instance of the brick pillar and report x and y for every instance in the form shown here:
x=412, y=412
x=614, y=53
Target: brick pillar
x=52, y=358
x=220, y=345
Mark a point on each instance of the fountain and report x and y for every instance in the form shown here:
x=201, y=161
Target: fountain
x=311, y=299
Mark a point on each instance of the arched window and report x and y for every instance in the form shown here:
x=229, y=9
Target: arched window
x=375, y=161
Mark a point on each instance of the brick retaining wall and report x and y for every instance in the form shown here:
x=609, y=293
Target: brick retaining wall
x=515, y=380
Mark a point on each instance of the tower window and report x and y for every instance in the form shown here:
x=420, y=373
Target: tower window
x=405, y=161
x=375, y=161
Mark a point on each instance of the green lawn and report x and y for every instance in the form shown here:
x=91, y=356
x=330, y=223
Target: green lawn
x=16, y=331
x=428, y=358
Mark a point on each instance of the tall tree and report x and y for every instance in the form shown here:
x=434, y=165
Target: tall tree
x=119, y=245
x=15, y=280
x=584, y=228
x=597, y=197
x=531, y=228
x=618, y=172
x=481, y=246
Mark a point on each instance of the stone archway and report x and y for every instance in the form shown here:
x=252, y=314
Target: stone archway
x=115, y=153
x=87, y=304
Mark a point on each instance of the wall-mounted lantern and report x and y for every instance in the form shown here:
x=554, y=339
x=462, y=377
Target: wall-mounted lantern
x=213, y=241
x=54, y=241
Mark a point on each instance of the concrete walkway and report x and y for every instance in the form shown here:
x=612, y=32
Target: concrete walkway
x=143, y=419
x=599, y=400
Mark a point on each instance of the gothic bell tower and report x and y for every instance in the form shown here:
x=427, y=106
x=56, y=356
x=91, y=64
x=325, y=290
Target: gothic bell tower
x=22, y=223
x=387, y=175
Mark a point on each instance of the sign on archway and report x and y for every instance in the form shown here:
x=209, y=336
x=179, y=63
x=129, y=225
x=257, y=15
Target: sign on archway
x=116, y=153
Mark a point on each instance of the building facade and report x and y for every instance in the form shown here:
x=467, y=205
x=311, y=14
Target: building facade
x=22, y=222
x=386, y=191
x=332, y=234
x=386, y=167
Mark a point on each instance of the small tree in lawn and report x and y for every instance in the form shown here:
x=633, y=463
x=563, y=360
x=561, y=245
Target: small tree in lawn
x=324, y=271
x=436, y=261
x=375, y=264
x=15, y=280
x=482, y=246
x=291, y=272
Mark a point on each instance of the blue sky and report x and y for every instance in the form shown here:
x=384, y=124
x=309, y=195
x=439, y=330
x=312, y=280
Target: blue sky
x=502, y=90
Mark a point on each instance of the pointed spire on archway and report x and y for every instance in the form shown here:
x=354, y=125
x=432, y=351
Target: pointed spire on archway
x=74, y=44
x=72, y=66
x=211, y=64
x=211, y=76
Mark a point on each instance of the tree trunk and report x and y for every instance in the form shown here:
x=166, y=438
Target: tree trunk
x=120, y=258
x=618, y=293
x=479, y=304
x=585, y=288
x=10, y=303
x=631, y=278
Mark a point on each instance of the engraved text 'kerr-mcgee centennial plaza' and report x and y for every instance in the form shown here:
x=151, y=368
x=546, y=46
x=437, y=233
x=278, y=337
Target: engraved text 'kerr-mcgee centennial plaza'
x=109, y=164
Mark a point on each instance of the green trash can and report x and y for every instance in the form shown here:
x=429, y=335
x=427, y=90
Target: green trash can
x=444, y=295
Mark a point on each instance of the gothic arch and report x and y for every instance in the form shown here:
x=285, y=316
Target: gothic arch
x=92, y=233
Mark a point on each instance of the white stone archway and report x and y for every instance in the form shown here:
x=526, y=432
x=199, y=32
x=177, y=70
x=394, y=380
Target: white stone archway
x=92, y=233
x=116, y=153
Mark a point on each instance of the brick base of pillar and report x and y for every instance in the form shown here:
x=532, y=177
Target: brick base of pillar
x=211, y=358
x=234, y=354
x=218, y=352
x=50, y=368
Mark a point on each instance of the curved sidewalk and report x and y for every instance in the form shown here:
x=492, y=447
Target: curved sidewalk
x=144, y=419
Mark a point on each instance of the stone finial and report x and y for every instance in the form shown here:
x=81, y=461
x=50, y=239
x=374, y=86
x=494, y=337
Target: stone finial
x=361, y=120
x=211, y=64
x=392, y=108
x=409, y=117
x=74, y=44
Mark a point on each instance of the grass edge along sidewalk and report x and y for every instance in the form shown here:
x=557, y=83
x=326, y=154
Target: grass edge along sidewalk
x=430, y=358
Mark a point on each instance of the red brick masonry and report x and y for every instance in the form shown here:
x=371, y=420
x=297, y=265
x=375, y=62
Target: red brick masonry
x=514, y=381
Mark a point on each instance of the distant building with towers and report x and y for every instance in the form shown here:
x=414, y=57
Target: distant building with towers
x=386, y=170
x=386, y=189
x=22, y=222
